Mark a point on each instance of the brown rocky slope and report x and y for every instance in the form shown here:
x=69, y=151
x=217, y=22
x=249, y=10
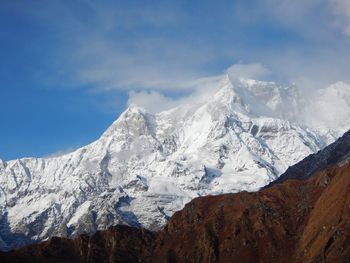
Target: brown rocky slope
x=291, y=221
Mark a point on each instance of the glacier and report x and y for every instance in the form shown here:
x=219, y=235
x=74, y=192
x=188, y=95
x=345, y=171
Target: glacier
x=146, y=166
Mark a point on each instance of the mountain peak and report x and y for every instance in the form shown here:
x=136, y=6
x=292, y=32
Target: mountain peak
x=135, y=120
x=257, y=98
x=134, y=108
x=227, y=93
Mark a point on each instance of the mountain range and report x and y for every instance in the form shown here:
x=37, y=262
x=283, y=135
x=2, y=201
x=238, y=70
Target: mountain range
x=146, y=166
x=303, y=217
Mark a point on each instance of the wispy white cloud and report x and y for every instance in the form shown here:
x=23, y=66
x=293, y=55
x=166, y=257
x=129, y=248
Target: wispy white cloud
x=252, y=71
x=342, y=10
x=155, y=101
x=61, y=152
x=304, y=19
x=125, y=48
x=309, y=69
x=149, y=63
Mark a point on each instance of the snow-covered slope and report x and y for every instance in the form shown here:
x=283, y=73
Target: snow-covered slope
x=146, y=166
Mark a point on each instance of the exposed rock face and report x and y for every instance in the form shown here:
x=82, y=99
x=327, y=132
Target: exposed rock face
x=294, y=221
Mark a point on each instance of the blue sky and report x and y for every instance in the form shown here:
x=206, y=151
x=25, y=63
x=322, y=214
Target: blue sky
x=69, y=68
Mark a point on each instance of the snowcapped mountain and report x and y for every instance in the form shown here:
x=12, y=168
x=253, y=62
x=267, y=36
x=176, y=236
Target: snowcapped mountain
x=147, y=166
